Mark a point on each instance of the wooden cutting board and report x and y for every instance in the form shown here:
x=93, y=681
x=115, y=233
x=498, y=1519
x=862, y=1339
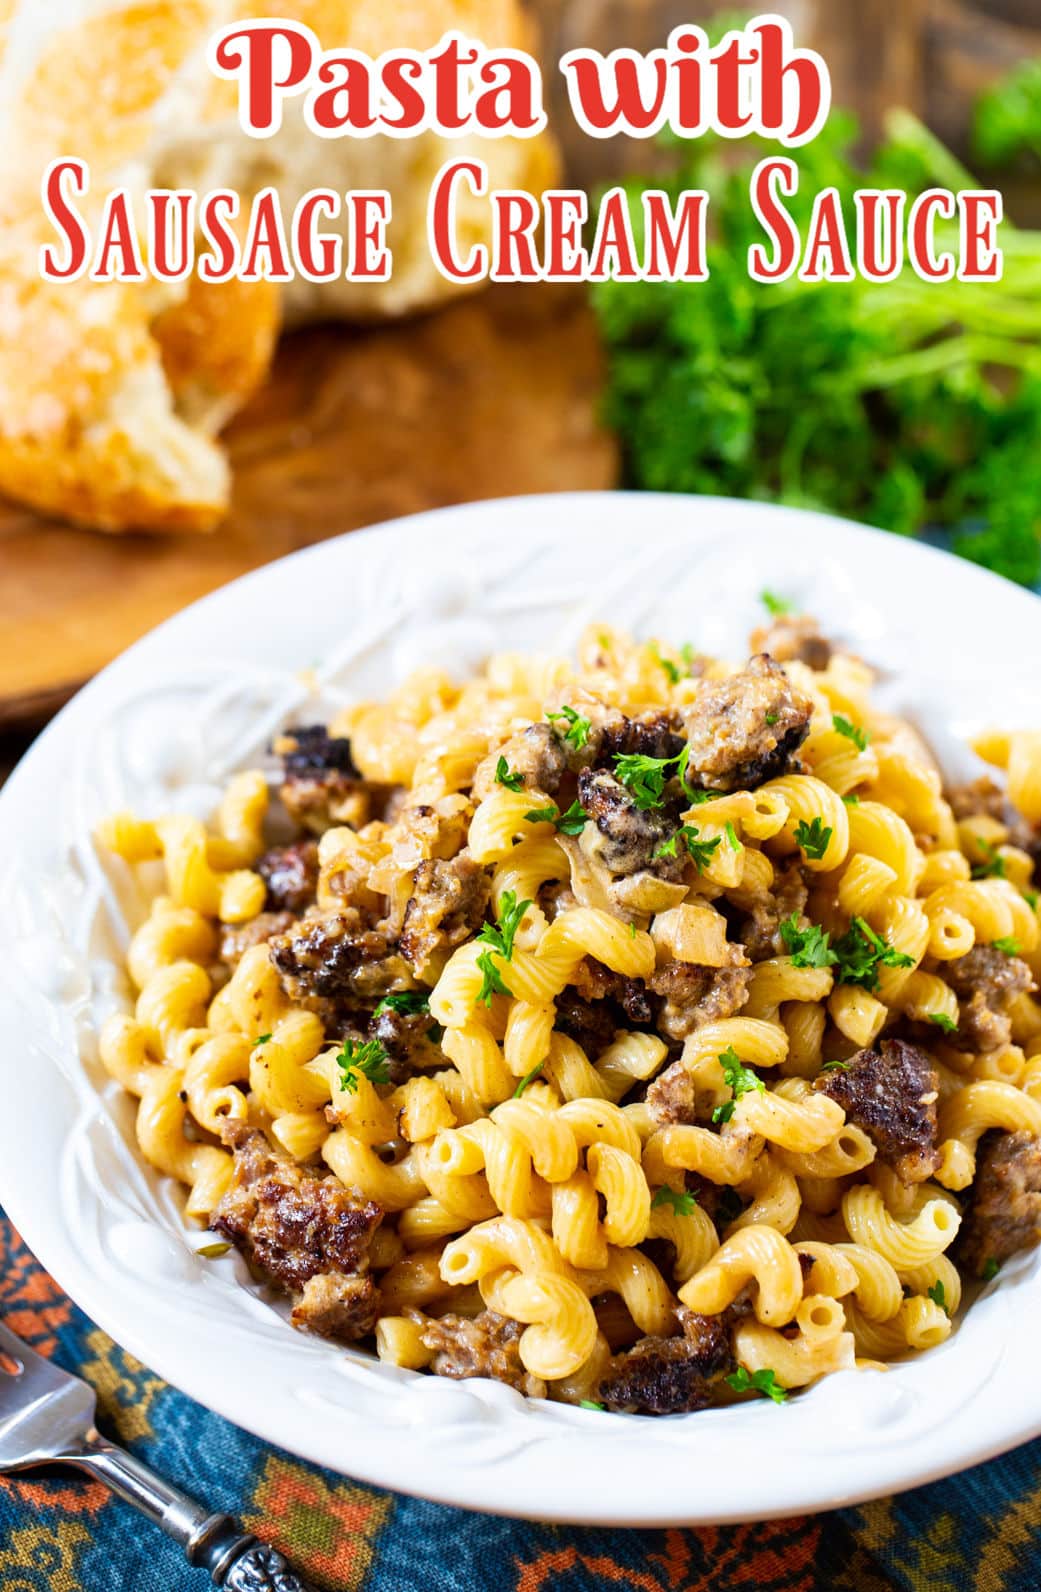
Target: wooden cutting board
x=495, y=396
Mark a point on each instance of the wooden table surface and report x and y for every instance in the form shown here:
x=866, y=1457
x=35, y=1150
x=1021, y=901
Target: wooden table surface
x=497, y=395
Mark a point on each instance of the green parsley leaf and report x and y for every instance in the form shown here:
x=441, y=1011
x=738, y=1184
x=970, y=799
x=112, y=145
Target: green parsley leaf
x=683, y=1204
x=590, y=1404
x=1007, y=944
x=368, y=1060
x=700, y=850
x=570, y=823
x=771, y=718
x=861, y=952
x=775, y=606
x=667, y=664
x=744, y=1381
x=990, y=1270
x=851, y=731
x=938, y=1295
x=834, y=1066
x=578, y=730
x=632, y=931
x=261, y=1039
x=492, y=983
x=814, y=838
x=851, y=800
x=807, y=947
x=504, y=775
x=407, y=1002
x=646, y=777
x=941, y=1020
x=738, y=1078
x=501, y=936
x=731, y=834
x=1031, y=898
x=689, y=655
x=213, y=1251
x=529, y=1078
x=993, y=864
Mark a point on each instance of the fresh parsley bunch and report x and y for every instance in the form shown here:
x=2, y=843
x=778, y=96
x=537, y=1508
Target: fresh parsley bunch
x=908, y=404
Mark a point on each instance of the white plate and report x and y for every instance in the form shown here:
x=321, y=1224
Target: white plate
x=198, y=698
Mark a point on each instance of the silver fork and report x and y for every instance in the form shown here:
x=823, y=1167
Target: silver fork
x=47, y=1418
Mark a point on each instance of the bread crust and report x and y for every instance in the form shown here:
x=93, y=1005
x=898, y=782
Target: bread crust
x=112, y=395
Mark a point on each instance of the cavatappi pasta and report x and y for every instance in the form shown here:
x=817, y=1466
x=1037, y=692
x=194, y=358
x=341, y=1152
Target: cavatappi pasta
x=643, y=1032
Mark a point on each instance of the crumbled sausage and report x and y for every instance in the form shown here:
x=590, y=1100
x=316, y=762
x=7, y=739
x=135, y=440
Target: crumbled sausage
x=238, y=938
x=591, y=1024
x=987, y=982
x=891, y=1093
x=793, y=638
x=747, y=728
x=595, y=982
x=322, y=786
x=291, y=876
x=336, y=958
x=536, y=754
x=486, y=1345
x=984, y=797
x=654, y=734
x=401, y=1034
x=693, y=995
x=307, y=1235
x=760, y=933
x=449, y=900
x=667, y=1376
x=625, y=838
x=1005, y=1214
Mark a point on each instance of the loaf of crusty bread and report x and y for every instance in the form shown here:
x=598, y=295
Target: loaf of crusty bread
x=112, y=395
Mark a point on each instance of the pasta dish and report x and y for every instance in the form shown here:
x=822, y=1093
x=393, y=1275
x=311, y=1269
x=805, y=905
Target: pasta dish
x=643, y=1032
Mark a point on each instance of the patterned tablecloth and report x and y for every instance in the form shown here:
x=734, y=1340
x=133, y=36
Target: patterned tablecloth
x=979, y=1532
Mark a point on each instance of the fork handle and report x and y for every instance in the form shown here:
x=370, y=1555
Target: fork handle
x=236, y=1560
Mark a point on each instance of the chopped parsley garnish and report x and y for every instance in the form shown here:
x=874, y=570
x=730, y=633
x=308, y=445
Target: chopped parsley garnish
x=578, y=727
x=990, y=1270
x=590, y=1404
x=740, y=1079
x=809, y=947
x=700, y=850
x=504, y=775
x=632, y=931
x=851, y=800
x=261, y=1039
x=529, y=1078
x=861, y=952
x=368, y=1060
x=213, y=1251
x=1031, y=898
x=938, y=1295
x=407, y=1002
x=689, y=655
x=771, y=719
x=765, y=1382
x=851, y=731
x=941, y=1020
x=774, y=605
x=993, y=864
x=1007, y=944
x=503, y=934
x=646, y=777
x=570, y=823
x=682, y=1204
x=667, y=664
x=492, y=983
x=813, y=838
x=731, y=834
x=500, y=938
x=835, y=1066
